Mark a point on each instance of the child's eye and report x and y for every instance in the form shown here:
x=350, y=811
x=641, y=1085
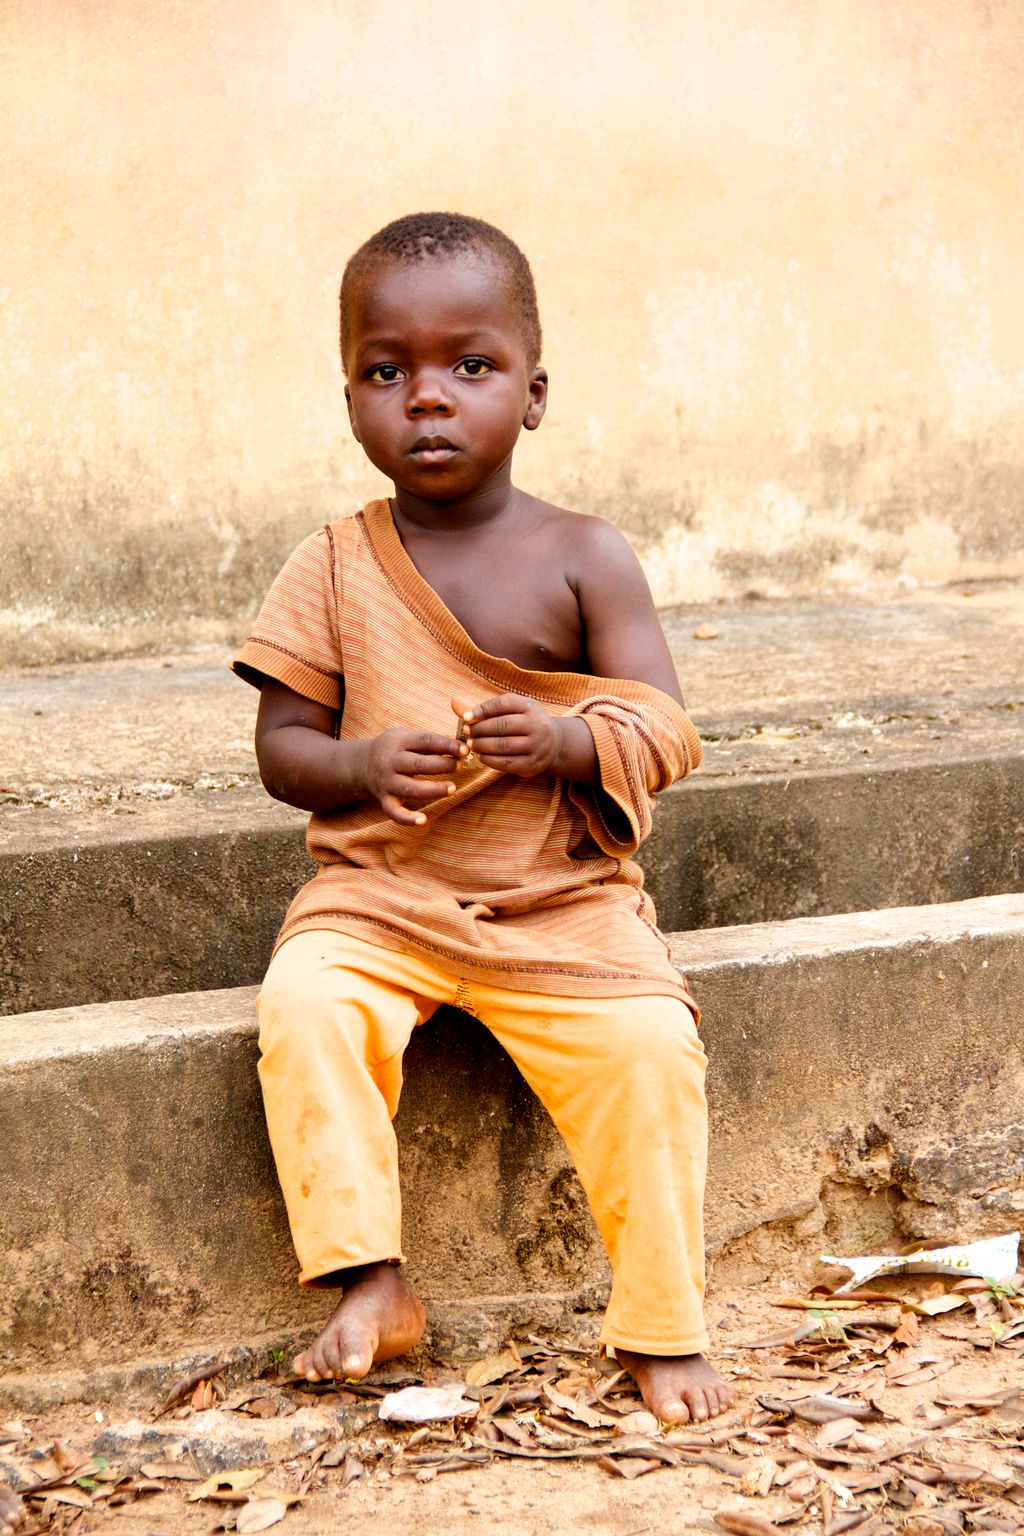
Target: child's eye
x=473, y=367
x=384, y=373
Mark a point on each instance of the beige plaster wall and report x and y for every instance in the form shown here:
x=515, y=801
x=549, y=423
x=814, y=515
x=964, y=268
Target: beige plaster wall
x=779, y=246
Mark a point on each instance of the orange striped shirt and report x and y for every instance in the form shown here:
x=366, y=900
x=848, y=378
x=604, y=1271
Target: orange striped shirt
x=526, y=883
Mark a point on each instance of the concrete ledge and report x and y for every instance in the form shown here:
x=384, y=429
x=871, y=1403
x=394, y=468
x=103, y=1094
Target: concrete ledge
x=723, y=852
x=864, y=1069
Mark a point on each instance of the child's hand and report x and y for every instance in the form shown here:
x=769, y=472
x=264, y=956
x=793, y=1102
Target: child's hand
x=515, y=734
x=396, y=768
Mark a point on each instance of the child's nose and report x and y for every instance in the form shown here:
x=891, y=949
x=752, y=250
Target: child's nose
x=429, y=392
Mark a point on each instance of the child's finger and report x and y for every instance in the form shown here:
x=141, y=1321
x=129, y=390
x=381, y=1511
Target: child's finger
x=504, y=704
x=418, y=765
x=393, y=807
x=434, y=744
x=501, y=746
x=422, y=791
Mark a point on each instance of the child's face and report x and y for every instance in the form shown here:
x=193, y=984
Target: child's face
x=438, y=383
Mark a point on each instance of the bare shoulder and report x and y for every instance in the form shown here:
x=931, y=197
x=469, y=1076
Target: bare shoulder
x=595, y=551
x=620, y=623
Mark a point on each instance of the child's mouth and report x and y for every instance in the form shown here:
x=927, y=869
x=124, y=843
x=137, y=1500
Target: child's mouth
x=433, y=450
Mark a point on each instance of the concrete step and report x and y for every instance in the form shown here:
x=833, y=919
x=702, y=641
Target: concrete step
x=866, y=1078
x=859, y=754
x=187, y=893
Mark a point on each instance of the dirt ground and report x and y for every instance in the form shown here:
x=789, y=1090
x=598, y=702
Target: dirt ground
x=900, y=1410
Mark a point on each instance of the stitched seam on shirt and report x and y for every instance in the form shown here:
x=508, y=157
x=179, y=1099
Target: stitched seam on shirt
x=656, y=752
x=630, y=777
x=273, y=645
x=333, y=558
x=487, y=962
x=441, y=638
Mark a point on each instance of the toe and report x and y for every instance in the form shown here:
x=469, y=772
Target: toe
x=305, y=1365
x=673, y=1411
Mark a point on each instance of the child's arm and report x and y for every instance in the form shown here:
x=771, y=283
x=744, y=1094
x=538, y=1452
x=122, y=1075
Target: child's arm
x=624, y=640
x=303, y=764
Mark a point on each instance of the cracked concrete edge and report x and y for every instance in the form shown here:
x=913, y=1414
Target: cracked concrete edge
x=772, y=944
x=154, y=1022
x=460, y=1331
x=722, y=853
x=892, y=1067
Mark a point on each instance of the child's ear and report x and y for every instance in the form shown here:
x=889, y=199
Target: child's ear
x=538, y=399
x=351, y=414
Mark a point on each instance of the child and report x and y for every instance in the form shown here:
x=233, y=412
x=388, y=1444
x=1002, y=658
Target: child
x=470, y=691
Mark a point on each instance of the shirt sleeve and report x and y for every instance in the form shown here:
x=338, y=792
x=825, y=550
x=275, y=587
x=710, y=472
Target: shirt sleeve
x=641, y=750
x=296, y=636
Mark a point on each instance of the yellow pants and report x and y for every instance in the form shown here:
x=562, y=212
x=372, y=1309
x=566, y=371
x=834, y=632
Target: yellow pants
x=622, y=1078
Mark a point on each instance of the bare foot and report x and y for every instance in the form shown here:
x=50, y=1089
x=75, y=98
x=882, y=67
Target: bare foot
x=379, y=1316
x=678, y=1389
x=11, y=1511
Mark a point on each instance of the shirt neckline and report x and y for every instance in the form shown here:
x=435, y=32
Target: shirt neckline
x=570, y=688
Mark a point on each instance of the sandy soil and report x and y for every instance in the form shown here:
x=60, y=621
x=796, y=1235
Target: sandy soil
x=883, y=1419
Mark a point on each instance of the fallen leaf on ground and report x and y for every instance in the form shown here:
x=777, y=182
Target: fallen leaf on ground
x=918, y=1378
x=259, y=1515
x=627, y=1466
x=819, y=1408
x=76, y=1496
x=933, y=1306
x=638, y=1423
x=758, y=1479
x=577, y=1410
x=820, y=1304
x=741, y=1522
x=909, y=1330
x=780, y=1340
x=492, y=1368
x=186, y=1384
x=241, y=1478
x=178, y=1471
x=705, y=632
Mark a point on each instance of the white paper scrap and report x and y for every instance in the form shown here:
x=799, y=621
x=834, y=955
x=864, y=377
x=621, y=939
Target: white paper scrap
x=992, y=1258
x=421, y=1405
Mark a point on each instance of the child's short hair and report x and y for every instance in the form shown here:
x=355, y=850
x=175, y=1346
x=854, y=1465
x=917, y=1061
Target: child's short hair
x=420, y=236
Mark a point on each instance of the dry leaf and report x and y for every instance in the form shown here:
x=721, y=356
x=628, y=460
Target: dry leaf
x=817, y=1304
x=259, y=1515
x=933, y=1306
x=780, y=1340
x=837, y=1431
x=639, y=1423
x=179, y=1471
x=67, y=1459
x=757, y=1480
x=627, y=1466
x=920, y=1377
x=790, y=1473
x=493, y=1367
x=820, y=1408
x=579, y=1411
x=243, y=1477
x=741, y=1523
x=516, y=1432
x=184, y=1386
x=705, y=632
x=204, y=1397
x=76, y=1496
x=909, y=1330
x=351, y=1468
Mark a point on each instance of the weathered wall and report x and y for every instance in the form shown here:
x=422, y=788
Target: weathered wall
x=778, y=245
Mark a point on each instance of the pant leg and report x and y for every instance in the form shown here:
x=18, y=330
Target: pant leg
x=335, y=1017
x=623, y=1080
